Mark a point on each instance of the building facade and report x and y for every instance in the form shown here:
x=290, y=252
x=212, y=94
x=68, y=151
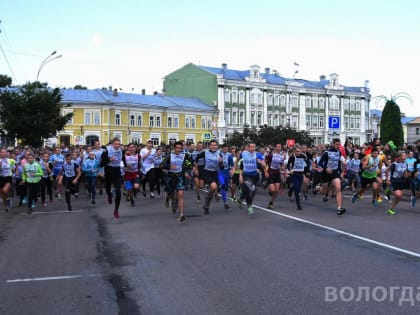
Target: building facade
x=254, y=98
x=103, y=114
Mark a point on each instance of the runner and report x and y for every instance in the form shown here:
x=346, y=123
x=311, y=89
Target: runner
x=177, y=164
x=213, y=162
x=198, y=175
x=399, y=179
x=275, y=166
x=249, y=174
x=57, y=160
x=298, y=167
x=330, y=162
x=70, y=174
x=147, y=155
x=31, y=176
x=7, y=167
x=225, y=173
x=132, y=174
x=111, y=159
x=90, y=169
x=46, y=183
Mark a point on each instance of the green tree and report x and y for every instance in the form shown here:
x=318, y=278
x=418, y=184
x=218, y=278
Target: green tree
x=269, y=136
x=391, y=126
x=32, y=114
x=5, y=80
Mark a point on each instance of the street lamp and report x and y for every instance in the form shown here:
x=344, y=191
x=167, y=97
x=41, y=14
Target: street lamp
x=50, y=58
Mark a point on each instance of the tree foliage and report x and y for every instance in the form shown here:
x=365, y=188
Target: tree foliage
x=5, y=80
x=391, y=126
x=32, y=113
x=268, y=136
x=80, y=87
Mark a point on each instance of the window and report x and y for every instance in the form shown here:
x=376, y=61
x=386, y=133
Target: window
x=270, y=99
x=352, y=123
x=334, y=103
x=209, y=123
x=173, y=121
x=227, y=117
x=315, y=122
x=96, y=118
x=276, y=120
x=321, y=103
x=203, y=122
x=283, y=100
x=260, y=99
x=346, y=123
x=139, y=120
x=252, y=118
x=276, y=99
x=234, y=118
x=157, y=121
x=270, y=119
x=241, y=118
x=151, y=121
x=254, y=99
x=308, y=102
x=227, y=96
x=294, y=122
x=321, y=121
x=294, y=101
x=156, y=141
x=259, y=119
x=308, y=121
x=346, y=104
x=234, y=96
x=154, y=120
x=314, y=102
x=357, y=123
x=117, y=119
x=132, y=120
x=136, y=137
x=241, y=97
x=417, y=131
x=352, y=105
x=357, y=106
x=88, y=118
x=190, y=122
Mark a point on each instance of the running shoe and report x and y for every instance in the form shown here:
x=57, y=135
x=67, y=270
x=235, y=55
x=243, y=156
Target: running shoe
x=374, y=203
x=144, y=193
x=250, y=210
x=289, y=193
x=390, y=211
x=181, y=218
x=325, y=198
x=152, y=195
x=116, y=214
x=198, y=200
x=354, y=198
x=270, y=206
x=69, y=207
x=33, y=205
x=386, y=197
x=299, y=207
x=206, y=210
x=25, y=200
x=132, y=202
x=44, y=204
x=341, y=210
x=167, y=202
x=379, y=199
x=413, y=201
x=59, y=196
x=76, y=195
x=93, y=201
x=226, y=206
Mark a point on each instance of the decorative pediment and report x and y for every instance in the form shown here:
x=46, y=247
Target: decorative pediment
x=333, y=84
x=255, y=75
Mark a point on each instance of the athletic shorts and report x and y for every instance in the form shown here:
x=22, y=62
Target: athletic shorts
x=326, y=178
x=4, y=180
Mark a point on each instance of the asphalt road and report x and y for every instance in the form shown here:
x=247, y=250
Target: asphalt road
x=274, y=262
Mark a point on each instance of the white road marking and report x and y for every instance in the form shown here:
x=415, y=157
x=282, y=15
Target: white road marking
x=51, y=278
x=355, y=236
x=52, y=212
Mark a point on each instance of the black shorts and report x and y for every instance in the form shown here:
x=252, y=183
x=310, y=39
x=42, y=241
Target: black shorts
x=364, y=182
x=200, y=172
x=5, y=180
x=327, y=178
x=211, y=177
x=274, y=179
x=400, y=185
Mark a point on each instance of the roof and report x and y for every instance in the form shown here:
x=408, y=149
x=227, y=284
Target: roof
x=275, y=78
x=105, y=96
x=404, y=120
x=412, y=120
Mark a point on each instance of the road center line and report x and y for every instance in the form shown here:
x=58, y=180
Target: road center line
x=355, y=236
x=51, y=278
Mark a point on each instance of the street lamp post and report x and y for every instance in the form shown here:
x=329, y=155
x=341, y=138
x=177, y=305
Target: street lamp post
x=50, y=58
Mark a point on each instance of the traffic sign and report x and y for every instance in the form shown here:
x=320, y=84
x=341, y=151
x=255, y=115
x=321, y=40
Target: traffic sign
x=206, y=136
x=334, y=122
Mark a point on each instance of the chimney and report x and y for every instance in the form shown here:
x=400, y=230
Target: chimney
x=322, y=77
x=115, y=93
x=155, y=93
x=267, y=71
x=143, y=92
x=110, y=88
x=224, y=66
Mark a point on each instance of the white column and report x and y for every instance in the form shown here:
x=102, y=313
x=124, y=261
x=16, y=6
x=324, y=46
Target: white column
x=302, y=112
x=265, y=105
x=342, y=130
x=221, y=124
x=247, y=107
x=327, y=117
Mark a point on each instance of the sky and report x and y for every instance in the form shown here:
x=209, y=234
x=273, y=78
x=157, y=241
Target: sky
x=133, y=44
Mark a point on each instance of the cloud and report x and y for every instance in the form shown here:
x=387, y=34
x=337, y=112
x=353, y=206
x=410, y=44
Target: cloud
x=97, y=40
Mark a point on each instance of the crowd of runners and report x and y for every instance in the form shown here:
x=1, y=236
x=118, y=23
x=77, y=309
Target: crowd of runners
x=211, y=171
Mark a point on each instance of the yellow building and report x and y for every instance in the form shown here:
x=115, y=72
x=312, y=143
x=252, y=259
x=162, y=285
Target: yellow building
x=103, y=114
